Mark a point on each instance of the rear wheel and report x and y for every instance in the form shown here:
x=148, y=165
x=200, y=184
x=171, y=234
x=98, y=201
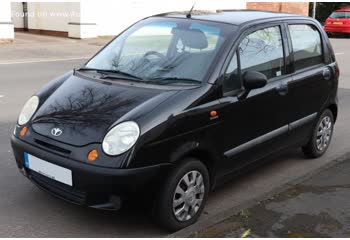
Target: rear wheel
x=183, y=195
x=321, y=136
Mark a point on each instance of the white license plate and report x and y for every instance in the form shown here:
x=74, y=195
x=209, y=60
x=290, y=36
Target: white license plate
x=49, y=170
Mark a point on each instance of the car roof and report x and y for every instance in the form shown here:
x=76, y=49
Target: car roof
x=347, y=9
x=235, y=17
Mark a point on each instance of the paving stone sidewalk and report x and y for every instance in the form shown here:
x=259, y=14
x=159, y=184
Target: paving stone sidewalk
x=317, y=207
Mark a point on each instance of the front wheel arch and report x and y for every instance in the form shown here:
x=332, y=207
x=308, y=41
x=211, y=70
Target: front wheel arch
x=163, y=205
x=204, y=157
x=334, y=110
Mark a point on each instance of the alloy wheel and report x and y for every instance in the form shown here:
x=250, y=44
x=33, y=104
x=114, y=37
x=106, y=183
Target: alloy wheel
x=324, y=133
x=188, y=196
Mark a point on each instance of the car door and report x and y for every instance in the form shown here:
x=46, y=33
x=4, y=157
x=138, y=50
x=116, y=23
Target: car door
x=311, y=83
x=258, y=124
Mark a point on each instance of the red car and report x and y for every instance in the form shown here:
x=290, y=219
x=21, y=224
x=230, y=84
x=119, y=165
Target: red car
x=338, y=22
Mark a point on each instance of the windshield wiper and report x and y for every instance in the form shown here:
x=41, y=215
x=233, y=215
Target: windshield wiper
x=110, y=73
x=167, y=80
x=117, y=74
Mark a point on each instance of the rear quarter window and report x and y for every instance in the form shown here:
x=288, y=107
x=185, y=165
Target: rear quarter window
x=307, y=46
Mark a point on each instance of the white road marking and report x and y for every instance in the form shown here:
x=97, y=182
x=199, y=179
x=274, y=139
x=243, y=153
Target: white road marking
x=1, y=96
x=340, y=53
x=47, y=60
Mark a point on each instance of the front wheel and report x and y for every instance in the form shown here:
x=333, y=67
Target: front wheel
x=183, y=195
x=321, y=136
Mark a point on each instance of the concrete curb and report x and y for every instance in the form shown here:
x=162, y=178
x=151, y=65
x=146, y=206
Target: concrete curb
x=6, y=41
x=194, y=229
x=27, y=61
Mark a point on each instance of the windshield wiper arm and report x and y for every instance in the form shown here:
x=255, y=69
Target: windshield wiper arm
x=173, y=80
x=107, y=73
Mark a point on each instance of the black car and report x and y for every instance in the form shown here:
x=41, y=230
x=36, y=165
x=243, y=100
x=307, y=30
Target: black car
x=178, y=104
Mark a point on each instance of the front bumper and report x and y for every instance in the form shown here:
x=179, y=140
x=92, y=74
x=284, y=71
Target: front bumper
x=92, y=185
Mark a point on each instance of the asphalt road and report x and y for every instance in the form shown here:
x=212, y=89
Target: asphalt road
x=26, y=211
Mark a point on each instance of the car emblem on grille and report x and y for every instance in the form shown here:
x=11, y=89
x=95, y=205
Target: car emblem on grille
x=56, y=132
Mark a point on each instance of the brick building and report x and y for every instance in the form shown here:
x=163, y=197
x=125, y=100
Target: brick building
x=301, y=8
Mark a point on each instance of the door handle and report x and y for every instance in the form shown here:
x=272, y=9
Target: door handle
x=282, y=89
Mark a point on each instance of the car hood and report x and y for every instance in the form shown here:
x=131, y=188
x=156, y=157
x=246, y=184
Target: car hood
x=85, y=109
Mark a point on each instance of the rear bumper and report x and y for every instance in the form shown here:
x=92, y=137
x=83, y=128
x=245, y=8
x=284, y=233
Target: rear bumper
x=92, y=185
x=337, y=29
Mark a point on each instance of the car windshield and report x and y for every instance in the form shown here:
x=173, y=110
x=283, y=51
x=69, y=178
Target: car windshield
x=340, y=15
x=164, y=50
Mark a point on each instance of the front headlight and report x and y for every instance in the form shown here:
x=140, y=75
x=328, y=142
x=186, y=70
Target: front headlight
x=28, y=110
x=121, y=138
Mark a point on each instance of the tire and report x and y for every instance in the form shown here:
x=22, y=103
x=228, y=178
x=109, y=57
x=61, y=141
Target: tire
x=164, y=213
x=320, y=139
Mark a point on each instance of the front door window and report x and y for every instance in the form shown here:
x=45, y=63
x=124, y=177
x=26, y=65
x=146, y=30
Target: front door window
x=262, y=51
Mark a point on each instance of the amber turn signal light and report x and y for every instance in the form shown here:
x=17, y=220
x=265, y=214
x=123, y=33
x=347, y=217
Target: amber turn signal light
x=23, y=131
x=93, y=155
x=213, y=113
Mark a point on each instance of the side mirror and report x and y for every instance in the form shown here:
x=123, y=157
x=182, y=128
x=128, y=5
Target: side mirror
x=254, y=80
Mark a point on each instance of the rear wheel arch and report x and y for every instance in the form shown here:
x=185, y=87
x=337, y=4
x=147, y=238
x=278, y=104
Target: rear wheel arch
x=312, y=148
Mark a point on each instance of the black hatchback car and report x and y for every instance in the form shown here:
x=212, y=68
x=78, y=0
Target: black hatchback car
x=178, y=104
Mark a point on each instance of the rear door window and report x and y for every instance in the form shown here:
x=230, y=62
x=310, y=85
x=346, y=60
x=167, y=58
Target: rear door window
x=307, y=46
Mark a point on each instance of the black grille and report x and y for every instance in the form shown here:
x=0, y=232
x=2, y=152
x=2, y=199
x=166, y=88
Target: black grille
x=58, y=189
x=53, y=147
